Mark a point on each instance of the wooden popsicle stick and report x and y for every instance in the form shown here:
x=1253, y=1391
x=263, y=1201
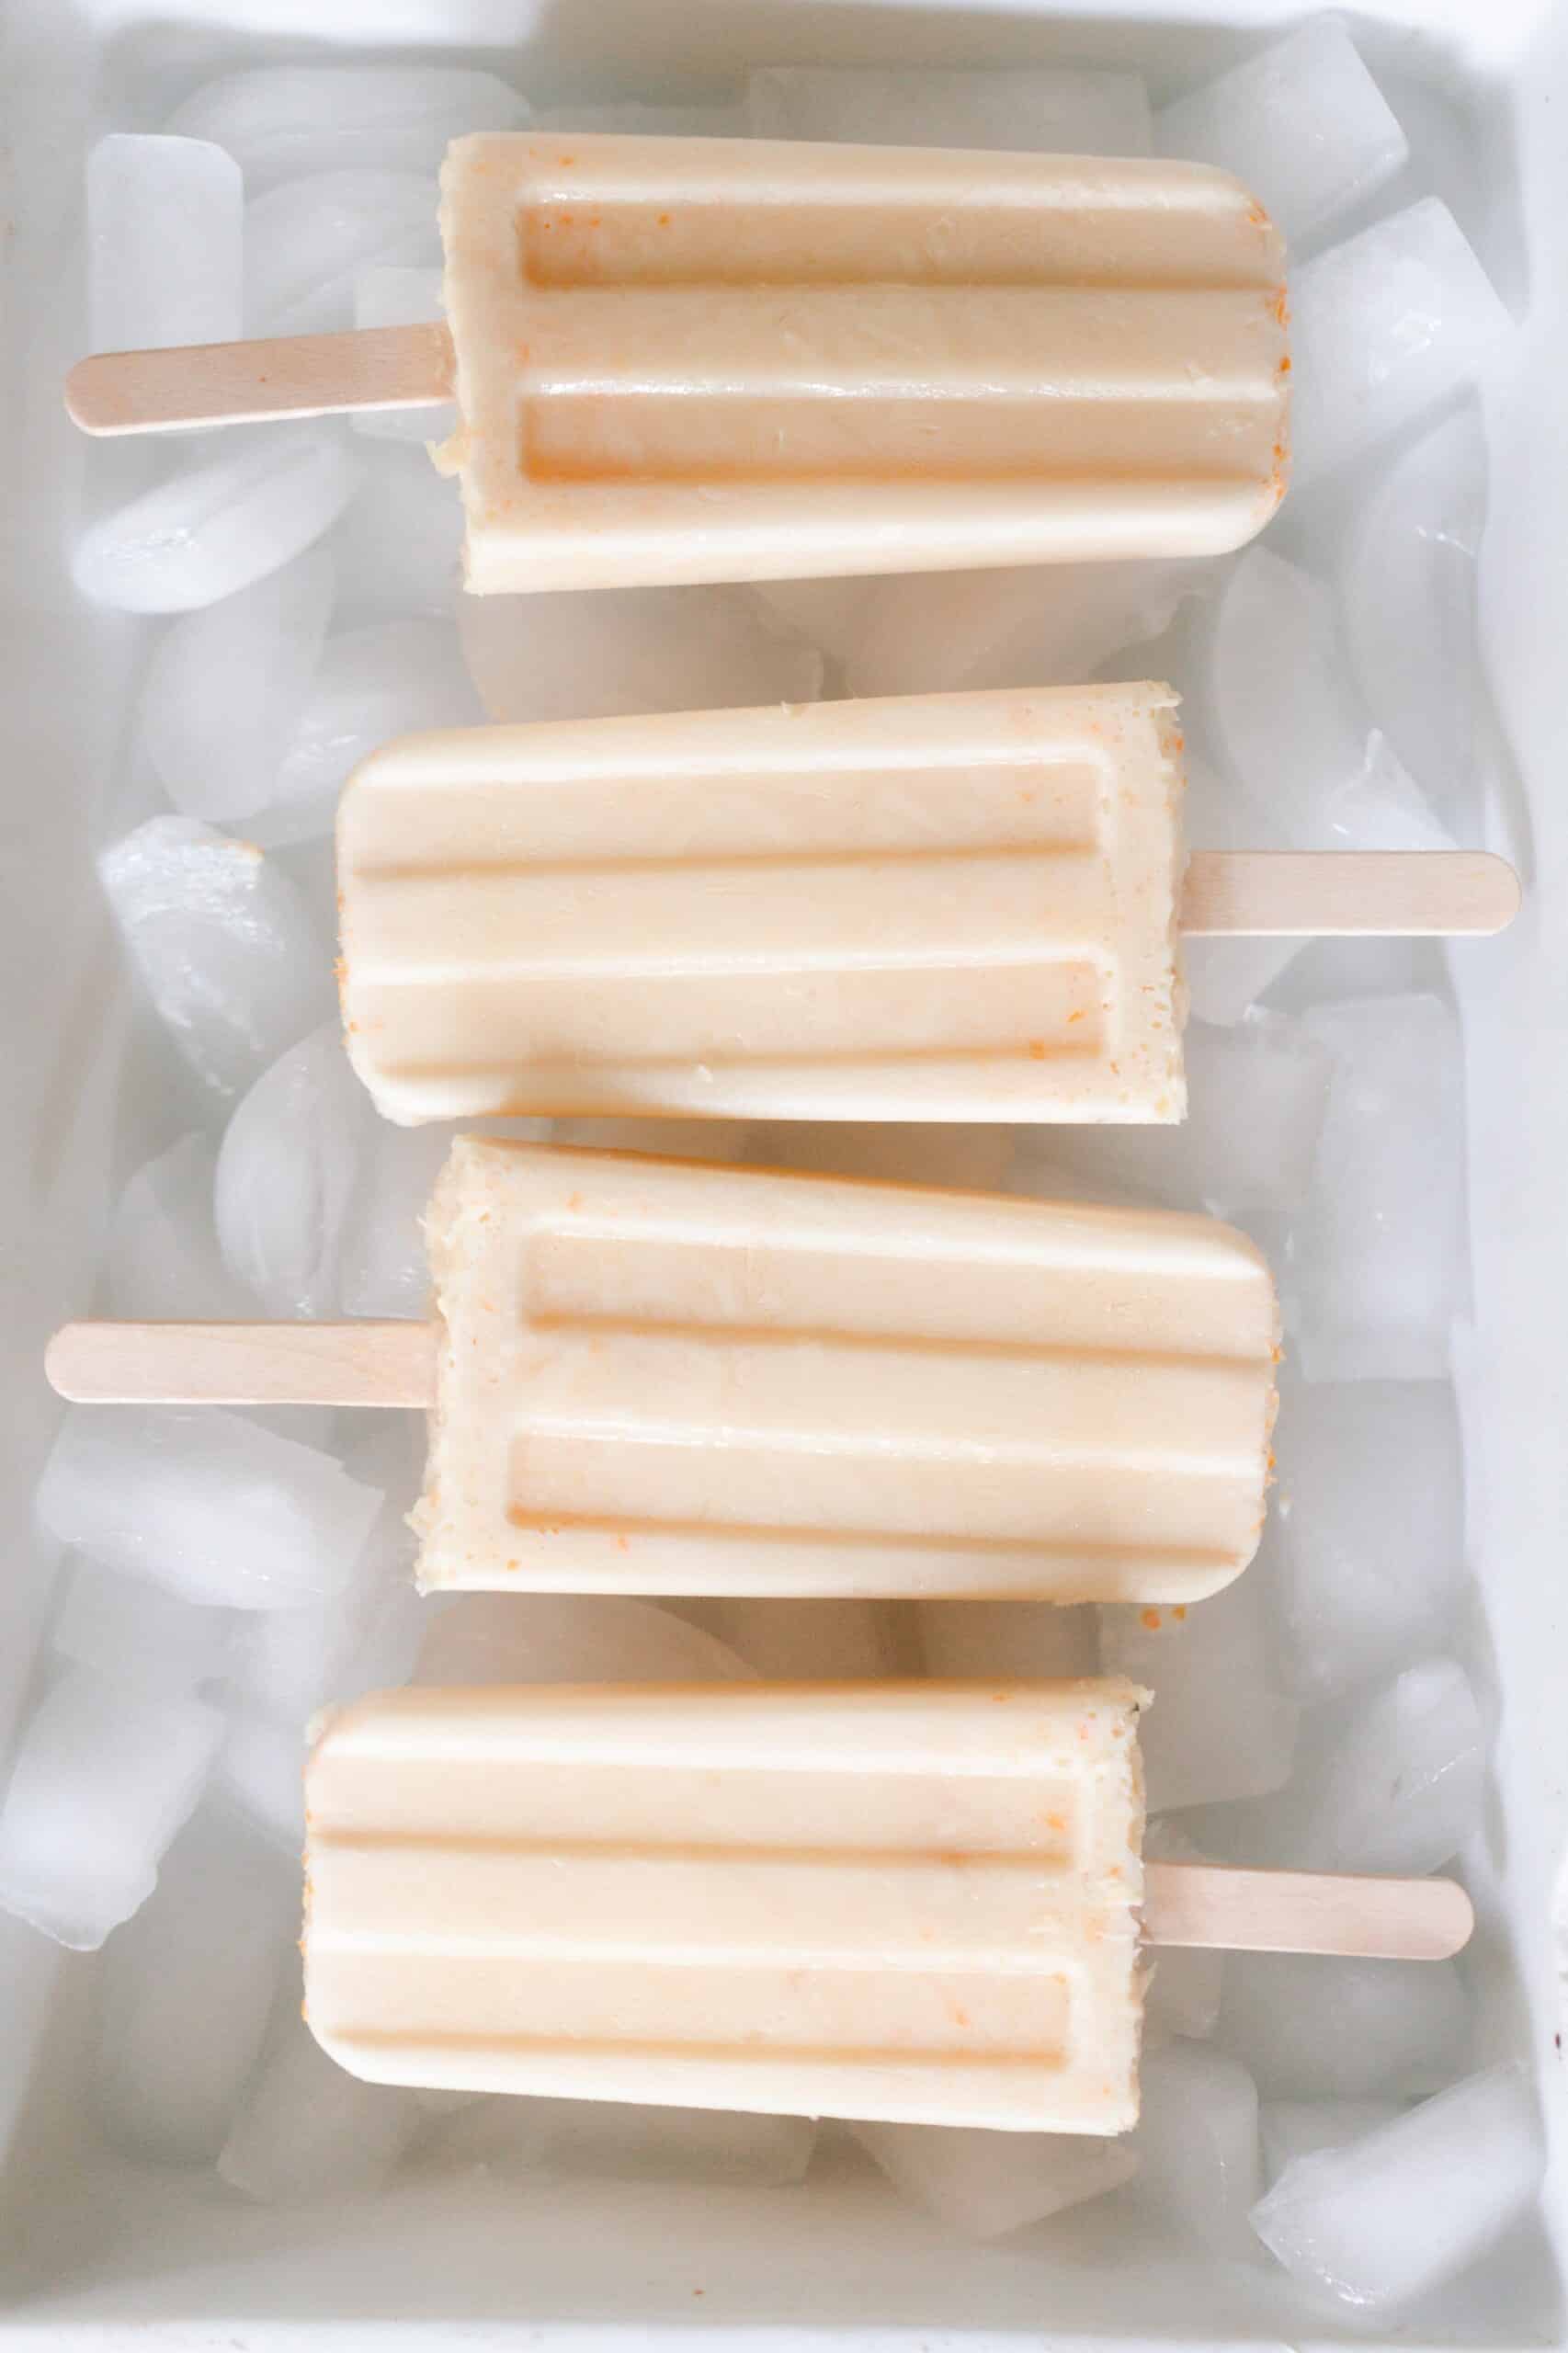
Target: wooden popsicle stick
x=1325, y=895
x=1237, y=1910
x=245, y=1364
x=247, y=383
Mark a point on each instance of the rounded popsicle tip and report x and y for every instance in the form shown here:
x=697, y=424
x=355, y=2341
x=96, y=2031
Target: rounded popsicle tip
x=1397, y=1919
x=1498, y=895
x=90, y=394
x=69, y=1363
x=115, y=393
x=1448, y=1917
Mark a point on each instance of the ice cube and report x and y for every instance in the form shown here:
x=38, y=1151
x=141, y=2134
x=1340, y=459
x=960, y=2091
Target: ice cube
x=1316, y=2027
x=570, y=1638
x=1257, y=1093
x=1196, y=2148
x=280, y=121
x=186, y=1990
x=226, y=686
x=308, y=2131
x=217, y=522
x=1330, y=972
x=1390, y=1780
x=366, y=1637
x=1036, y=625
x=387, y=1642
x=1185, y=1983
x=261, y=1770
x=1292, y=723
x=997, y=1641
x=307, y=241
x=702, y=119
x=1298, y=2128
x=206, y=1504
x=1186, y=1988
x=977, y=1160
x=508, y=2134
x=223, y=945
x=377, y=1654
x=135, y=1633
x=387, y=1451
x=1221, y=1727
x=1375, y=1264
x=1437, y=114
x=1408, y=583
x=105, y=1777
x=29, y=1972
x=289, y=1165
x=311, y=867
x=1258, y=1096
x=312, y=1425
x=1383, y=327
x=621, y=2142
x=1369, y=1513
x=792, y=1642
x=399, y=546
x=162, y=1258
x=384, y=1267
x=988, y=2184
x=627, y=650
x=384, y=1270
x=392, y=296
x=1225, y=976
x=1059, y=109
x=392, y=678
x=1380, y=2221
x=164, y=228
x=828, y=614
x=293, y=1662
x=1301, y=123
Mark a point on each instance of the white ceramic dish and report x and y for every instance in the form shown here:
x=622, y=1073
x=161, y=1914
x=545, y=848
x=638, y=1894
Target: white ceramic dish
x=93, y=2248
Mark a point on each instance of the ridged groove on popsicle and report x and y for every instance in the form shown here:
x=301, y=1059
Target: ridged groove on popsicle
x=668, y=1378
x=717, y=359
x=913, y=1902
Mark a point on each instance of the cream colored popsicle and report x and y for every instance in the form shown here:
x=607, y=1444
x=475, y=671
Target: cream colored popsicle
x=674, y=1377
x=718, y=359
x=916, y=1902
x=662, y=1377
x=954, y=907
x=696, y=359
x=880, y=1902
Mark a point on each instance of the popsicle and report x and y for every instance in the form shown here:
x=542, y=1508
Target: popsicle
x=721, y=360
x=910, y=1901
x=662, y=1377
x=933, y=907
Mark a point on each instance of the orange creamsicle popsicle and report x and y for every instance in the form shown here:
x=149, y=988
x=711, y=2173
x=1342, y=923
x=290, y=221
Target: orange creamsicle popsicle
x=658, y=1377
x=921, y=1902
x=931, y=907
x=938, y=908
x=914, y=1902
x=652, y=1376
x=718, y=359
